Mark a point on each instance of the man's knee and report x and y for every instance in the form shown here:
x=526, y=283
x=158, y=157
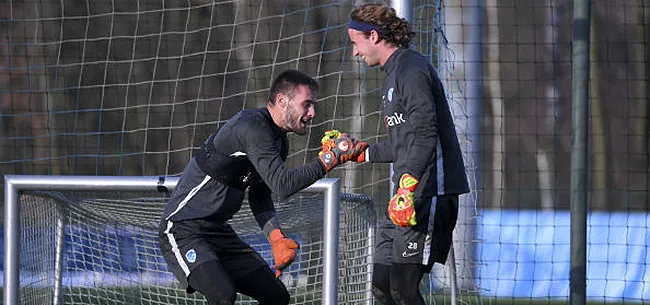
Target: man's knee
x=219, y=296
x=263, y=286
x=380, y=294
x=284, y=297
x=406, y=295
x=277, y=296
x=210, y=280
x=405, y=284
x=280, y=297
x=222, y=301
x=380, y=283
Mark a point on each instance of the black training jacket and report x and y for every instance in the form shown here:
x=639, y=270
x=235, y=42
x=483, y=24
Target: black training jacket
x=246, y=153
x=422, y=138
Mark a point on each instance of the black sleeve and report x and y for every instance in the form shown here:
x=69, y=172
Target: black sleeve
x=417, y=90
x=264, y=153
x=260, y=200
x=261, y=203
x=381, y=152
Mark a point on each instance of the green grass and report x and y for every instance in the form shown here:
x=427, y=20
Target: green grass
x=158, y=296
x=484, y=300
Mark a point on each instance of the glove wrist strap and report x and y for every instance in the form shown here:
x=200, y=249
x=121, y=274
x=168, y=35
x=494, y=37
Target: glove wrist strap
x=408, y=182
x=328, y=159
x=271, y=225
x=276, y=235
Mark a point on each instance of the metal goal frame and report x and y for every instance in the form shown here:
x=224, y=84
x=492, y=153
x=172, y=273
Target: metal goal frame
x=15, y=184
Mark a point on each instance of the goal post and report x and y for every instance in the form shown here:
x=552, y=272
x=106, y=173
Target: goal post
x=331, y=268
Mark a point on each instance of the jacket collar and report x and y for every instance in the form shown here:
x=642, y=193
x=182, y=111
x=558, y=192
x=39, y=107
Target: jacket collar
x=391, y=62
x=276, y=129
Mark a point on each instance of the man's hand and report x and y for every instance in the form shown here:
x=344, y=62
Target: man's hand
x=338, y=148
x=329, y=142
x=283, y=250
x=400, y=209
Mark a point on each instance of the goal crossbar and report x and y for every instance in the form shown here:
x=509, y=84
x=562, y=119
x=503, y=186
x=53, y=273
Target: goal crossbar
x=15, y=184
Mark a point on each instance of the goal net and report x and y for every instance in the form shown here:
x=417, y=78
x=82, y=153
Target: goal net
x=132, y=88
x=100, y=247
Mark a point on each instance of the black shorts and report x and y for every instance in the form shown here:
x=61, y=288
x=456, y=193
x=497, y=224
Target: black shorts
x=185, y=245
x=427, y=242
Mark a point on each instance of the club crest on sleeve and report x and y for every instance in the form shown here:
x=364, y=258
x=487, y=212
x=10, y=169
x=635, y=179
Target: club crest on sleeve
x=190, y=255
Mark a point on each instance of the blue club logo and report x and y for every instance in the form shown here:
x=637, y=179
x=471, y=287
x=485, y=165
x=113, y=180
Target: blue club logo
x=191, y=256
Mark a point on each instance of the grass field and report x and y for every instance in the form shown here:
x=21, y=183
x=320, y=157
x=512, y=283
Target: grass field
x=158, y=296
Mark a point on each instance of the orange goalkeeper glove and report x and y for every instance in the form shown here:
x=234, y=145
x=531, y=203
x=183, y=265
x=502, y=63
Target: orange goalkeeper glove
x=284, y=250
x=336, y=151
x=328, y=142
x=400, y=209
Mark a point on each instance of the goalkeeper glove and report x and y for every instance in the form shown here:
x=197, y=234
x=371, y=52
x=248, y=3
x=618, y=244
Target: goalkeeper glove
x=328, y=142
x=339, y=150
x=283, y=250
x=400, y=208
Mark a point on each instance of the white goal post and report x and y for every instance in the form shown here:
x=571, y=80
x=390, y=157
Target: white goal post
x=329, y=251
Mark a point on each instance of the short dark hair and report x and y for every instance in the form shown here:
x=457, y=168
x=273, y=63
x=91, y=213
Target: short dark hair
x=394, y=29
x=287, y=81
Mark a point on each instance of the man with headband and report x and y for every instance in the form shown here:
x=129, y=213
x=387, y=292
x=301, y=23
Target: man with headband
x=422, y=144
